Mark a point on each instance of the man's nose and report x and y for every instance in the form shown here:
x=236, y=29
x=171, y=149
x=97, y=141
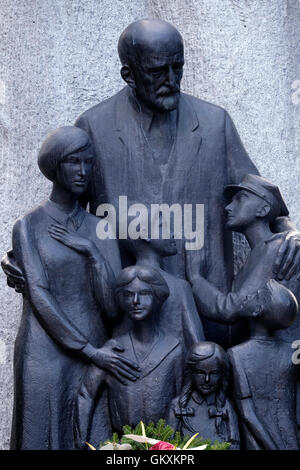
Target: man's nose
x=207, y=378
x=171, y=76
x=136, y=298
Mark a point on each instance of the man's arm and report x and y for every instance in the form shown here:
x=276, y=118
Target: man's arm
x=239, y=163
x=191, y=322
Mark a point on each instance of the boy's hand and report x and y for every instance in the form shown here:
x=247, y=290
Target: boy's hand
x=288, y=258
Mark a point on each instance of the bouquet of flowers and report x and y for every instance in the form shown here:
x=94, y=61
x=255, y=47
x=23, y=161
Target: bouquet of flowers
x=158, y=437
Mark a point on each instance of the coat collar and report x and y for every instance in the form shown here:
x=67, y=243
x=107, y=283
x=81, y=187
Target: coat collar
x=185, y=150
x=213, y=399
x=128, y=105
x=71, y=219
x=163, y=346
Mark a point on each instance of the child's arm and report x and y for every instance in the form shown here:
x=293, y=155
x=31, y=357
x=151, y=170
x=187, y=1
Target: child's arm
x=211, y=302
x=223, y=308
x=254, y=426
x=85, y=402
x=244, y=401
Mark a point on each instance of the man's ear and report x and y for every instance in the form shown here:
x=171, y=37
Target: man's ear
x=263, y=211
x=127, y=76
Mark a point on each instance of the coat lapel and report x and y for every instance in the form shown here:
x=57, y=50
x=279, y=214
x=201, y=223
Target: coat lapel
x=138, y=164
x=75, y=218
x=163, y=348
x=186, y=149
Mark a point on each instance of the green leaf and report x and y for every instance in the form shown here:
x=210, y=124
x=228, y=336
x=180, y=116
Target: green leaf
x=163, y=432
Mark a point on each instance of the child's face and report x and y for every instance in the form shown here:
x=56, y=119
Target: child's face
x=75, y=170
x=243, y=210
x=206, y=376
x=137, y=300
x=165, y=247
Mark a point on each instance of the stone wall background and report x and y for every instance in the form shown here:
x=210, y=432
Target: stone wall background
x=59, y=57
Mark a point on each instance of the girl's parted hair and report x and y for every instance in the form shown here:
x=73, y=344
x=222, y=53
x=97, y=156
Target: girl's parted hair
x=148, y=275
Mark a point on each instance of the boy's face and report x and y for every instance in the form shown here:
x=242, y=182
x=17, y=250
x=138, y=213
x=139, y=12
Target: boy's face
x=137, y=300
x=206, y=376
x=243, y=210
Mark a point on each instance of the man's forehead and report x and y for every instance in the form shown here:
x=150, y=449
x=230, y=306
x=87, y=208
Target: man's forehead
x=161, y=59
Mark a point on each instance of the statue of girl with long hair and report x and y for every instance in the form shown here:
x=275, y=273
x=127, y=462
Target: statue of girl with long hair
x=203, y=405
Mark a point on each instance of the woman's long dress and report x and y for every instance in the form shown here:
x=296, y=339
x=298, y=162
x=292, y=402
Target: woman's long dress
x=61, y=319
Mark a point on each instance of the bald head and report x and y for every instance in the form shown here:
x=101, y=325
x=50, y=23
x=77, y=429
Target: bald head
x=149, y=36
x=151, y=52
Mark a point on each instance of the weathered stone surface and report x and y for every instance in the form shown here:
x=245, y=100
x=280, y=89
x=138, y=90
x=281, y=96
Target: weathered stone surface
x=59, y=58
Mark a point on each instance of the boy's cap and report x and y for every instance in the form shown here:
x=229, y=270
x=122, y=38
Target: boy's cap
x=260, y=187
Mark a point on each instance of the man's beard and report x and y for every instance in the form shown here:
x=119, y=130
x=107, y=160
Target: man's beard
x=168, y=102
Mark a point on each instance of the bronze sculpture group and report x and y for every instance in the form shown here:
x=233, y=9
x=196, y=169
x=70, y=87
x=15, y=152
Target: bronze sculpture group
x=118, y=331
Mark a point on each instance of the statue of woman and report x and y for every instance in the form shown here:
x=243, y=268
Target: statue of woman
x=67, y=302
x=202, y=406
x=140, y=292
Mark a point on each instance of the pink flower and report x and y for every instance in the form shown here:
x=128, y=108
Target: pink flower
x=161, y=445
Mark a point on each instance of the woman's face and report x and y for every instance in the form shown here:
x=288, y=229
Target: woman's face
x=75, y=170
x=137, y=300
x=206, y=376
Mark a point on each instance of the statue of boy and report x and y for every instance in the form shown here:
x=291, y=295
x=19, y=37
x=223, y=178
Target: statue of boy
x=255, y=204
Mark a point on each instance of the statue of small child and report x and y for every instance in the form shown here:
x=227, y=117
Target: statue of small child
x=203, y=406
x=265, y=376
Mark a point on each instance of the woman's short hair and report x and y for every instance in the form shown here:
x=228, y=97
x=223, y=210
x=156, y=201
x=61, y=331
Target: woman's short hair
x=59, y=143
x=150, y=276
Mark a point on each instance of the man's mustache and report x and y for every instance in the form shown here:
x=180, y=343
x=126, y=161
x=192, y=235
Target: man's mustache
x=169, y=91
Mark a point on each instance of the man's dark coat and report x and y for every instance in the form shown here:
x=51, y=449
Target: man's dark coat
x=206, y=156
